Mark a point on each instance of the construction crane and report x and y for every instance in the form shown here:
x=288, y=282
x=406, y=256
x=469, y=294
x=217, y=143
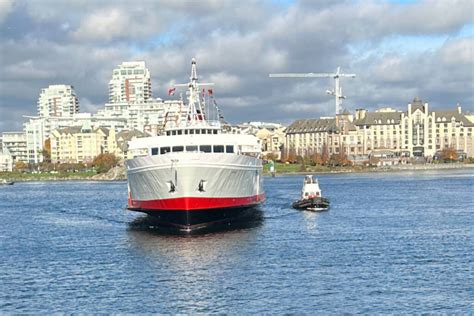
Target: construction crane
x=337, y=92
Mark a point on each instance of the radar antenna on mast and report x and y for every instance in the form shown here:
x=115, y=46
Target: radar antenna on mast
x=337, y=92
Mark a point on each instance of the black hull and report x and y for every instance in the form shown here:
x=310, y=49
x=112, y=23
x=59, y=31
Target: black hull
x=196, y=221
x=319, y=204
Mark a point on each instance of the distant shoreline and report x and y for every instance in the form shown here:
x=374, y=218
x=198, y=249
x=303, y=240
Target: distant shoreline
x=388, y=169
x=121, y=177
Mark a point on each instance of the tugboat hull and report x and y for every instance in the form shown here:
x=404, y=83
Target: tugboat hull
x=314, y=204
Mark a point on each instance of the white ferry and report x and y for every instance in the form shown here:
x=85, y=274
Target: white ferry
x=194, y=175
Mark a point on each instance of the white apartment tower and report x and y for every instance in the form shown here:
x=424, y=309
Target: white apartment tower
x=130, y=83
x=58, y=101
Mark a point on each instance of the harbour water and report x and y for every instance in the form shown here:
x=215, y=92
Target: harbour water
x=391, y=243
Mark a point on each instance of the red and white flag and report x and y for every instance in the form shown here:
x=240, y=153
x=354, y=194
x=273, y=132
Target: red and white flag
x=171, y=91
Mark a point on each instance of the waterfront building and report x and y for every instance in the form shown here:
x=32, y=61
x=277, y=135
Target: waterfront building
x=39, y=129
x=81, y=144
x=309, y=136
x=35, y=139
x=15, y=144
x=130, y=83
x=418, y=132
x=58, y=101
x=122, y=138
x=147, y=117
x=271, y=140
x=6, y=161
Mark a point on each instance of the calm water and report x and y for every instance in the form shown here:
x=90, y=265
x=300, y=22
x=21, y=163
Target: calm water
x=390, y=243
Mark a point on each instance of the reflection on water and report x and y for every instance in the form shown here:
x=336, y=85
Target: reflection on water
x=191, y=260
x=153, y=239
x=311, y=221
x=190, y=249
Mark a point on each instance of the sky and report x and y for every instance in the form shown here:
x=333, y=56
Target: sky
x=397, y=49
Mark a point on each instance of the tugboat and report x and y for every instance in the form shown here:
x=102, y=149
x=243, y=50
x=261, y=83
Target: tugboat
x=311, y=199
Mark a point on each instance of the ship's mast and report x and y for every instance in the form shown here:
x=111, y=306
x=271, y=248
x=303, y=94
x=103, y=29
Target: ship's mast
x=337, y=92
x=195, y=107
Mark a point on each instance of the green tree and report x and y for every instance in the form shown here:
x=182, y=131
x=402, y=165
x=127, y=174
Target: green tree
x=104, y=162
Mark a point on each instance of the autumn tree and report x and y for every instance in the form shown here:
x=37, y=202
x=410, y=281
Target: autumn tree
x=104, y=162
x=449, y=154
x=325, y=154
x=342, y=157
x=20, y=166
x=339, y=159
x=271, y=156
x=291, y=155
x=317, y=159
x=46, y=152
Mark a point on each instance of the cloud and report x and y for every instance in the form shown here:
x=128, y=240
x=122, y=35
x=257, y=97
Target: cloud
x=6, y=7
x=105, y=25
x=397, y=51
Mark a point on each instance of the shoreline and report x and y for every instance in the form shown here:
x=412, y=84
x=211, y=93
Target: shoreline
x=119, y=177
x=390, y=169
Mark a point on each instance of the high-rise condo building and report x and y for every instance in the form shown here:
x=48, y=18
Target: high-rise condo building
x=130, y=83
x=58, y=101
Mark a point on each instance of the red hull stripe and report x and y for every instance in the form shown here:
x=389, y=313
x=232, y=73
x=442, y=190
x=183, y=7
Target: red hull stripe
x=195, y=203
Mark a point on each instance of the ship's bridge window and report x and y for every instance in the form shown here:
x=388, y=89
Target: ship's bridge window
x=191, y=131
x=218, y=148
x=173, y=132
x=229, y=149
x=191, y=148
x=205, y=148
x=186, y=132
x=178, y=149
x=180, y=132
x=198, y=131
x=215, y=131
x=209, y=131
x=203, y=131
x=164, y=150
x=168, y=133
x=154, y=151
